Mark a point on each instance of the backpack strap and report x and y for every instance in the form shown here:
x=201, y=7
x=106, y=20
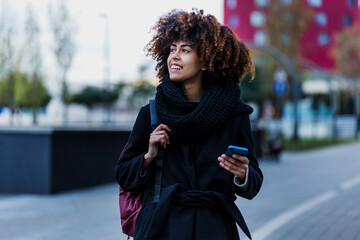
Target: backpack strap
x=159, y=157
x=153, y=114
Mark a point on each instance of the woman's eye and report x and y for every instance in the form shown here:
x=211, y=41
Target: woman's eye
x=185, y=50
x=172, y=50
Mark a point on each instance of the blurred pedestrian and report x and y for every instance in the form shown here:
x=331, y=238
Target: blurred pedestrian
x=200, y=64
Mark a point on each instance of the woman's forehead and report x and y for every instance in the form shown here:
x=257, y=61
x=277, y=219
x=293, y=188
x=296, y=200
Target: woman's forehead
x=182, y=41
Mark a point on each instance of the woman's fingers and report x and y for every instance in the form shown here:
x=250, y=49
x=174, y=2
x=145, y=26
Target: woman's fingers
x=236, y=171
x=164, y=134
x=160, y=135
x=236, y=160
x=162, y=127
x=162, y=130
x=235, y=167
x=237, y=164
x=240, y=159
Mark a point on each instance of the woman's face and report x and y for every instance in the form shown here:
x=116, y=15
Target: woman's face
x=184, y=63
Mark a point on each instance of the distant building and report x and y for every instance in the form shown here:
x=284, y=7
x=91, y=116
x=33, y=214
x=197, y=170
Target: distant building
x=248, y=18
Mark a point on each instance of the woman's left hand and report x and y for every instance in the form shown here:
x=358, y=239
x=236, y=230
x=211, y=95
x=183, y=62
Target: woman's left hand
x=236, y=164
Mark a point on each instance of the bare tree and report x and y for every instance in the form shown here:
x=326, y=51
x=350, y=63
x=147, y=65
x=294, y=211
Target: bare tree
x=2, y=43
x=64, y=30
x=8, y=60
x=346, y=51
x=32, y=47
x=286, y=24
x=7, y=32
x=35, y=94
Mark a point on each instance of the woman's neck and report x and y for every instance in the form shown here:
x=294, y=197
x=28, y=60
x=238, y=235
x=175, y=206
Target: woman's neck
x=193, y=91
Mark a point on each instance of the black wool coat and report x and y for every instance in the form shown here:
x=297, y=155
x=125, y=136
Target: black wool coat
x=197, y=195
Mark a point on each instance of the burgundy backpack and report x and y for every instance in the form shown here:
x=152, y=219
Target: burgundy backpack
x=130, y=205
x=130, y=202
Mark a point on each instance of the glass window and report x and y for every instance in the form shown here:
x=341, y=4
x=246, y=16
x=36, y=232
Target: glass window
x=320, y=19
x=231, y=4
x=286, y=2
x=347, y=21
x=262, y=3
x=285, y=38
x=257, y=19
x=315, y=3
x=323, y=39
x=351, y=3
x=233, y=21
x=260, y=37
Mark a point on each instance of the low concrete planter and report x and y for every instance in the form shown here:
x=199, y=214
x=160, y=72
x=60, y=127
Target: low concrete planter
x=48, y=160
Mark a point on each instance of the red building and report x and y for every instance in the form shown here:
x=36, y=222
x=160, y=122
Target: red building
x=248, y=18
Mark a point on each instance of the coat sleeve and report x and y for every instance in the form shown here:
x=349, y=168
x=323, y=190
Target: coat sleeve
x=128, y=168
x=255, y=176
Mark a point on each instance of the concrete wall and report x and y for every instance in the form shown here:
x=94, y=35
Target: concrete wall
x=50, y=160
x=47, y=160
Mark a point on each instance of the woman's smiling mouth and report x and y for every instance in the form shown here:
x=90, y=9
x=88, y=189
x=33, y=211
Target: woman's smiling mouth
x=176, y=67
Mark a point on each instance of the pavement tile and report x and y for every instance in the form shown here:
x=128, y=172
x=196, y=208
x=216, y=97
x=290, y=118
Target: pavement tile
x=93, y=213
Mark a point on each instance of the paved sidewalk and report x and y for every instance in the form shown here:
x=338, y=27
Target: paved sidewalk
x=308, y=195
x=338, y=218
x=80, y=215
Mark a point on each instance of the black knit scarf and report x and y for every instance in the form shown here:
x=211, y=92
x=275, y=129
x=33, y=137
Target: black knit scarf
x=193, y=119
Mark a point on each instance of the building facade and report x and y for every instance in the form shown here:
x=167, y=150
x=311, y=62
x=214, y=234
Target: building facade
x=248, y=19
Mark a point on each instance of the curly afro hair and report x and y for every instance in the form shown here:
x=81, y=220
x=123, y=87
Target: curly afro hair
x=223, y=54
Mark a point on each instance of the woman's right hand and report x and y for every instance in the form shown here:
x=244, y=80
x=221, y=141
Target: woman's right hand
x=158, y=136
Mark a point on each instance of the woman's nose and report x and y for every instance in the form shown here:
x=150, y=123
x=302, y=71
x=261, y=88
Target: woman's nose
x=176, y=54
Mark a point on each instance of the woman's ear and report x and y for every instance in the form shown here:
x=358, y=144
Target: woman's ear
x=203, y=68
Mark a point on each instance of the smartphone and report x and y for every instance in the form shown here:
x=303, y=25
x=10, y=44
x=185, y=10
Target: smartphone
x=236, y=150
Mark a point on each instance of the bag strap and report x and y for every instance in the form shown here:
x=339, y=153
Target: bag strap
x=153, y=114
x=159, y=157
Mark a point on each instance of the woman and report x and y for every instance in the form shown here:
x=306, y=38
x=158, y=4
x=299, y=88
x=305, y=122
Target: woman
x=200, y=64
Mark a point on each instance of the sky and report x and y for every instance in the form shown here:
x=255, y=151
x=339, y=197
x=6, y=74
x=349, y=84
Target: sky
x=129, y=25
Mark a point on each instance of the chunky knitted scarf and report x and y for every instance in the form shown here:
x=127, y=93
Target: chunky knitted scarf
x=192, y=119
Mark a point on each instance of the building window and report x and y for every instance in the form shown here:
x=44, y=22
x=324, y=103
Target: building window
x=233, y=21
x=323, y=39
x=351, y=3
x=320, y=19
x=262, y=3
x=286, y=2
x=231, y=4
x=257, y=19
x=260, y=37
x=315, y=3
x=347, y=21
x=285, y=38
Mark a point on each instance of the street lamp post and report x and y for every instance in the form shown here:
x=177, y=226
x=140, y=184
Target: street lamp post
x=295, y=87
x=106, y=73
